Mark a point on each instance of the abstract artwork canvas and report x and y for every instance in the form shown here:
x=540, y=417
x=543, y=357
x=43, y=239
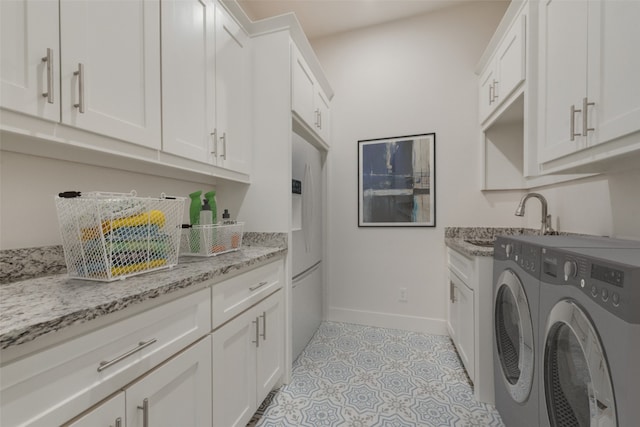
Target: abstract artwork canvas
x=396, y=181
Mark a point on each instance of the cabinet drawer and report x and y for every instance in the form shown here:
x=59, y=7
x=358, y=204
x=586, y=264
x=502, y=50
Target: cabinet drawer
x=231, y=297
x=50, y=387
x=462, y=266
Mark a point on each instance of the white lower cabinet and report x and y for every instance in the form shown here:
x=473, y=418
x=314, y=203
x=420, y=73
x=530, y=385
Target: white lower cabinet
x=470, y=318
x=177, y=393
x=461, y=321
x=248, y=361
x=53, y=386
x=110, y=413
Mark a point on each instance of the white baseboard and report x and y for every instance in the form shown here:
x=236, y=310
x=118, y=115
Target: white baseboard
x=388, y=320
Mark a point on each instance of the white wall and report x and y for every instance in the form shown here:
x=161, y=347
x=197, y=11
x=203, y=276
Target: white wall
x=407, y=77
x=604, y=205
x=28, y=185
x=417, y=76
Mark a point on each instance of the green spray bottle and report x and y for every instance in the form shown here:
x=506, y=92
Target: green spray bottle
x=194, y=216
x=211, y=198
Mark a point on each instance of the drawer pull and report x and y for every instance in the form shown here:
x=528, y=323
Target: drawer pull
x=257, y=341
x=264, y=325
x=118, y=422
x=141, y=345
x=259, y=285
x=145, y=412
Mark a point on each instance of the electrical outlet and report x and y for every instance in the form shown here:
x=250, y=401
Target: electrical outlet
x=403, y=295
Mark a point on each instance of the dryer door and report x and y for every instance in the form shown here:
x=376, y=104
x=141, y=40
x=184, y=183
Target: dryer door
x=577, y=384
x=514, y=335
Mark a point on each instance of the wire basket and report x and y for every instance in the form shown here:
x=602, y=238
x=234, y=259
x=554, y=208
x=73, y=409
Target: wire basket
x=212, y=239
x=109, y=236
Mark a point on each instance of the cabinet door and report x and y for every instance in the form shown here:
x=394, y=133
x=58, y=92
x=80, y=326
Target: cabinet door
x=486, y=91
x=322, y=116
x=302, y=92
x=233, y=94
x=110, y=68
x=562, y=74
x=108, y=414
x=188, y=78
x=510, y=61
x=454, y=311
x=464, y=298
x=29, y=33
x=614, y=67
x=234, y=371
x=270, y=358
x=177, y=393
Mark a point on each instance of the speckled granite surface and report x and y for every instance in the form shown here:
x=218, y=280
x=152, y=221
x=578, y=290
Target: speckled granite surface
x=22, y=264
x=34, y=307
x=454, y=237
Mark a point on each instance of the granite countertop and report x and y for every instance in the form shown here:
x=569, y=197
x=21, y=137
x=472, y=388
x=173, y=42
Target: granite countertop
x=455, y=238
x=34, y=307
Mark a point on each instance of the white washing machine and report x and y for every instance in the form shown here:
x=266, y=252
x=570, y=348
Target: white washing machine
x=516, y=285
x=589, y=369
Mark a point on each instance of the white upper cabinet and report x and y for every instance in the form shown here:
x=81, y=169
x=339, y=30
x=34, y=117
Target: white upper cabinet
x=505, y=71
x=308, y=101
x=233, y=94
x=110, y=68
x=29, y=57
x=589, y=88
x=188, y=79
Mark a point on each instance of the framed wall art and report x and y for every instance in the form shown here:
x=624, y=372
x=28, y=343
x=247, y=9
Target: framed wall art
x=396, y=181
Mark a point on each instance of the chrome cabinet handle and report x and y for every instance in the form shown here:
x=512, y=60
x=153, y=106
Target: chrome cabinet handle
x=80, y=74
x=452, y=292
x=317, y=115
x=264, y=325
x=118, y=422
x=585, y=126
x=495, y=90
x=259, y=285
x=49, y=60
x=214, y=143
x=572, y=130
x=320, y=119
x=490, y=94
x=224, y=145
x=145, y=412
x=141, y=345
x=257, y=341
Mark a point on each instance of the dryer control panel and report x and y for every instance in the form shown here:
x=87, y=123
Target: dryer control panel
x=611, y=277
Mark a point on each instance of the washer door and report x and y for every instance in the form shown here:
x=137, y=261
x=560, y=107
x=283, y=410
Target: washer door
x=514, y=335
x=577, y=384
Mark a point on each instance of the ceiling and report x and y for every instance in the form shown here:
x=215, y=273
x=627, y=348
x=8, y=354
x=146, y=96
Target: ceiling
x=320, y=18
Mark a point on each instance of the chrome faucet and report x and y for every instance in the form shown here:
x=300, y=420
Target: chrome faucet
x=546, y=218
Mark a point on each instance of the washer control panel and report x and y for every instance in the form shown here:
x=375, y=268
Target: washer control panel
x=525, y=255
x=612, y=283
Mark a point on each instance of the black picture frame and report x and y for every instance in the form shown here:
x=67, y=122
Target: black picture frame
x=397, y=181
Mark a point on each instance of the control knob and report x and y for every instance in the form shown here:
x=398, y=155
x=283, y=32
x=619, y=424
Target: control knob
x=508, y=250
x=570, y=269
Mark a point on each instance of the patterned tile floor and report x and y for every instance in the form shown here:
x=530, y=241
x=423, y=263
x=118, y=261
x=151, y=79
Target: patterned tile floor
x=360, y=376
